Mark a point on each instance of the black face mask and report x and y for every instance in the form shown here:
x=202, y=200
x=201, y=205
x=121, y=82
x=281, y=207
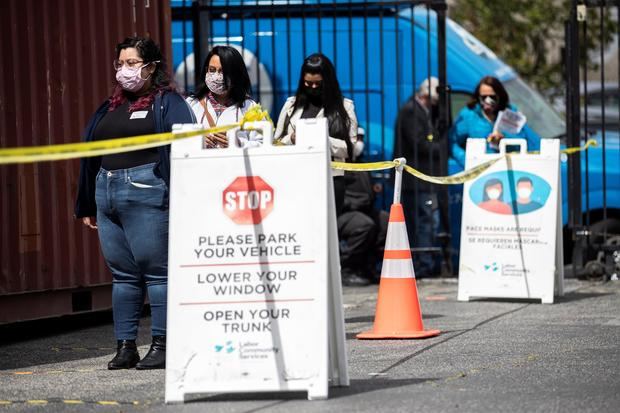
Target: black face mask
x=315, y=92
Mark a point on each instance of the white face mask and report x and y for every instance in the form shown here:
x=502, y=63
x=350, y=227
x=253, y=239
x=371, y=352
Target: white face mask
x=493, y=193
x=215, y=82
x=524, y=192
x=358, y=148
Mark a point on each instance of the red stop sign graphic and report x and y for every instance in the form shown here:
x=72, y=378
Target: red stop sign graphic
x=248, y=200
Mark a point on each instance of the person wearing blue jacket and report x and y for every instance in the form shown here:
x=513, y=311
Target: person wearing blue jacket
x=477, y=120
x=124, y=196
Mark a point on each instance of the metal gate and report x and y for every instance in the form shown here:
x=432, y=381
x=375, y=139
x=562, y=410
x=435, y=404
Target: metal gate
x=592, y=112
x=381, y=50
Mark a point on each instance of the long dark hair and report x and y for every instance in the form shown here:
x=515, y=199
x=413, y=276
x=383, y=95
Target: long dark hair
x=331, y=97
x=500, y=91
x=160, y=79
x=235, y=75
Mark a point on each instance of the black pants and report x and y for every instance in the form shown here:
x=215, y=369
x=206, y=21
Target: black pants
x=339, y=193
x=357, y=233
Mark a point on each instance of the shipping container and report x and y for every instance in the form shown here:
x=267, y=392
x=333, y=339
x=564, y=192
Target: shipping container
x=56, y=70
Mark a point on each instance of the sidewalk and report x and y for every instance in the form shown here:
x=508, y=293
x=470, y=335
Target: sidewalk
x=492, y=355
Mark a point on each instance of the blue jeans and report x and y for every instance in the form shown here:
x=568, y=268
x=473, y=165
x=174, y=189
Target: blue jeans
x=132, y=216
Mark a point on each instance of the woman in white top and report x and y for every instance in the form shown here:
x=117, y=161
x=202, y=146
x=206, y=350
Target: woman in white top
x=318, y=96
x=223, y=96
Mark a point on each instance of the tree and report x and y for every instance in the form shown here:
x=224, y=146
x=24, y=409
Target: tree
x=529, y=34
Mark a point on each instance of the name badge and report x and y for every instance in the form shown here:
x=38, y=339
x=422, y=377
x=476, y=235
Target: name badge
x=139, y=114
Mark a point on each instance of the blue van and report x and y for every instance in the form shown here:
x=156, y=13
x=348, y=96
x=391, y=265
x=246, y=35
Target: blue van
x=381, y=54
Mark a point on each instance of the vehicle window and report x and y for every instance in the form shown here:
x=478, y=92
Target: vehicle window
x=540, y=116
x=611, y=99
x=458, y=100
x=594, y=99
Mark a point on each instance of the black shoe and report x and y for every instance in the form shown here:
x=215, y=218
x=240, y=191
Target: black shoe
x=126, y=355
x=350, y=279
x=156, y=357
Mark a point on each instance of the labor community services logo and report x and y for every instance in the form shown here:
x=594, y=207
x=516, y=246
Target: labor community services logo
x=248, y=200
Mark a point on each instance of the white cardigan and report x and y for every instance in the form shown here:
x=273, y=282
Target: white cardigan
x=231, y=114
x=338, y=147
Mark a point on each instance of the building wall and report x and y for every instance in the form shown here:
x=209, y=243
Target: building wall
x=56, y=69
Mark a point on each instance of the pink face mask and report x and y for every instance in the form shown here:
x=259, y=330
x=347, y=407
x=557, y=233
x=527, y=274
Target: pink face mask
x=130, y=78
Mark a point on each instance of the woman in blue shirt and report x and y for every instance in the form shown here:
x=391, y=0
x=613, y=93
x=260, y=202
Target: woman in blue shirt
x=476, y=120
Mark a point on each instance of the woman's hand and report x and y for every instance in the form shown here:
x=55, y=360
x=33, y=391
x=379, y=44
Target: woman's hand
x=216, y=140
x=494, y=137
x=90, y=222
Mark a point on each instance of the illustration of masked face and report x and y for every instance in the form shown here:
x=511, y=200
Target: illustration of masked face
x=524, y=192
x=493, y=193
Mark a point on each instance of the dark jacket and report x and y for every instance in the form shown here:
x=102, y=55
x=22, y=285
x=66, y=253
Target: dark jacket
x=413, y=128
x=169, y=108
x=359, y=195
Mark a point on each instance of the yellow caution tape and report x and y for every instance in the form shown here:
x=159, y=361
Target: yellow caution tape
x=98, y=148
x=457, y=178
x=111, y=146
x=590, y=142
x=371, y=166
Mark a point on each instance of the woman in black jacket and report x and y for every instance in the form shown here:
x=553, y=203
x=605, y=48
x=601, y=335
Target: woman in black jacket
x=125, y=196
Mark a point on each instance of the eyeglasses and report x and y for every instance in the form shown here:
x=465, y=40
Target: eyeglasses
x=118, y=64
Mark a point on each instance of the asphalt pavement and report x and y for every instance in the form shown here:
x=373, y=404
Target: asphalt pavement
x=491, y=355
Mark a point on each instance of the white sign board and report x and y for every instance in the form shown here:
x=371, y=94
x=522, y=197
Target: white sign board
x=511, y=240
x=248, y=270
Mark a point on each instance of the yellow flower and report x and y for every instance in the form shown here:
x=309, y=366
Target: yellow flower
x=256, y=113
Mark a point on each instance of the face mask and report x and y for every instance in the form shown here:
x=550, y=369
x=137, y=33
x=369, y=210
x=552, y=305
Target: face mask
x=488, y=100
x=130, y=79
x=493, y=193
x=314, y=91
x=524, y=192
x=215, y=82
x=358, y=148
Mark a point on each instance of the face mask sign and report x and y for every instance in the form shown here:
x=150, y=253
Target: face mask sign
x=215, y=82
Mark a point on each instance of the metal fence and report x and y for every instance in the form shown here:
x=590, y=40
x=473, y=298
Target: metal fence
x=382, y=51
x=592, y=112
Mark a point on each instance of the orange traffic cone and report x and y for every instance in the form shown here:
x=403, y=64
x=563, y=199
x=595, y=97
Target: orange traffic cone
x=398, y=312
